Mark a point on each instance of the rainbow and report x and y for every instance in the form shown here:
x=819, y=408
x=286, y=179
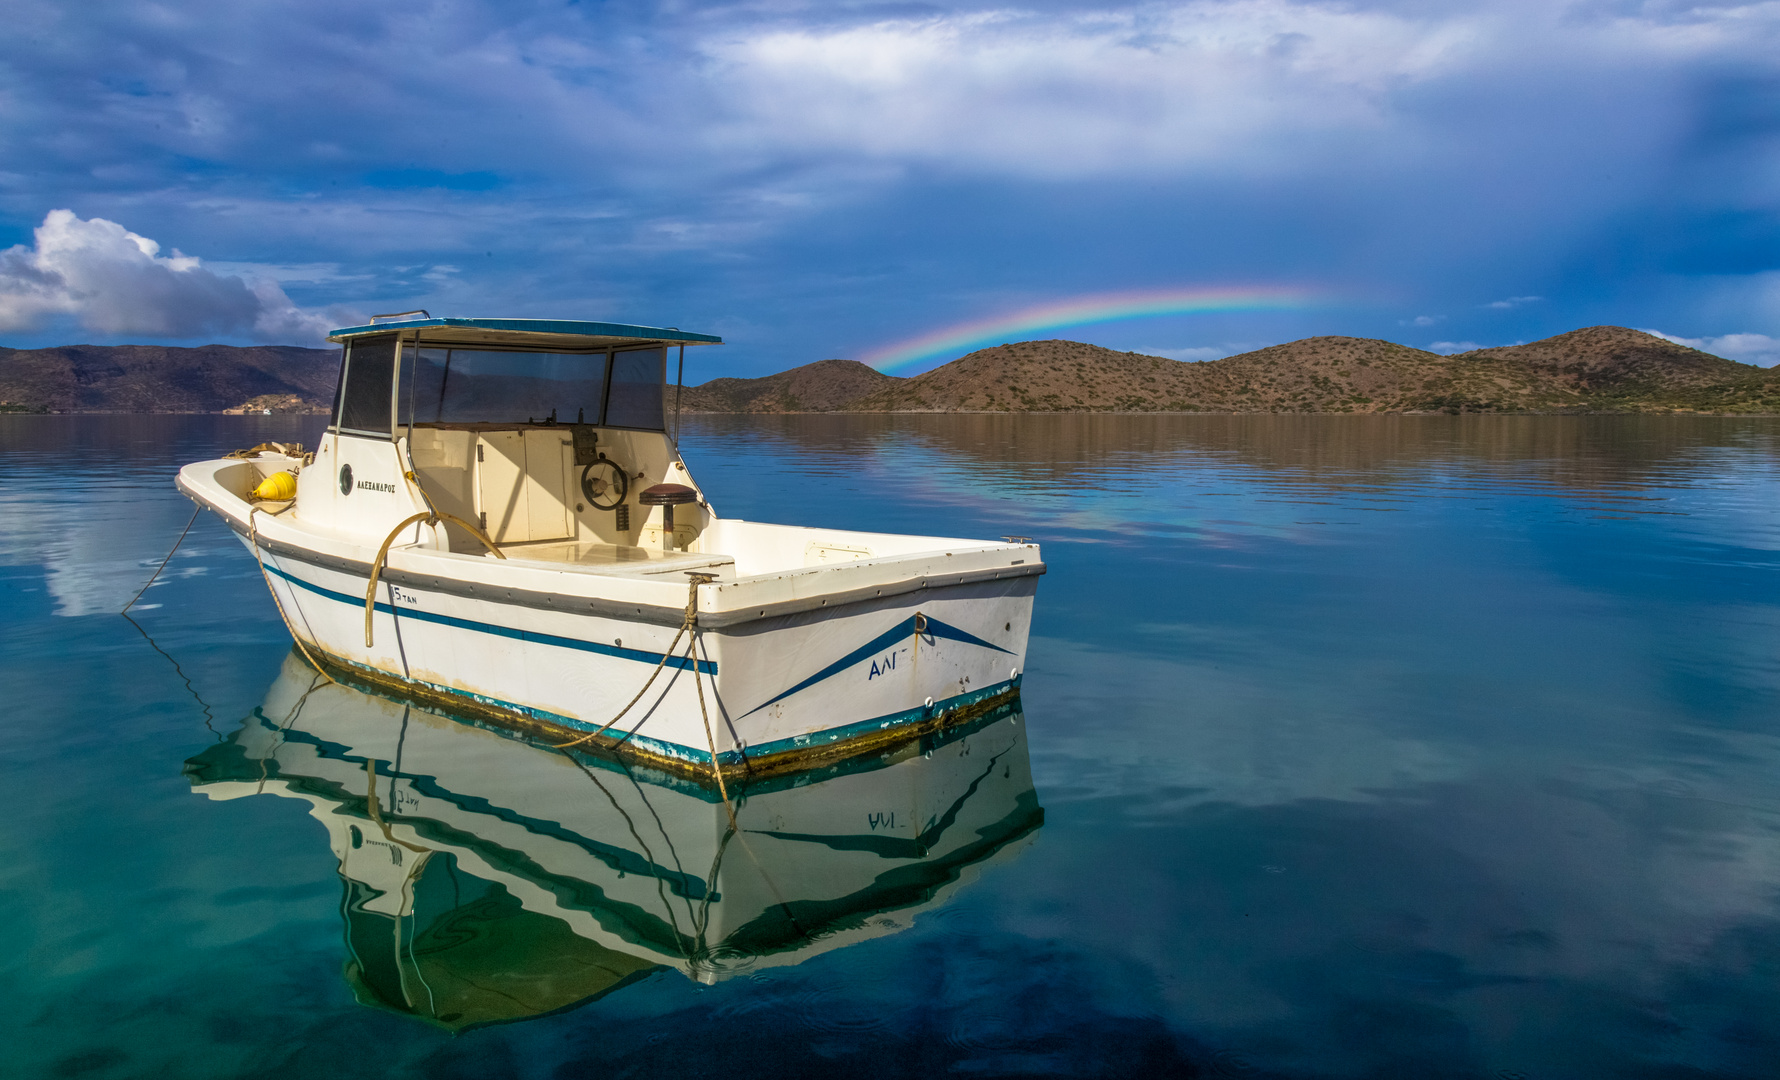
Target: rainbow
x=1080, y=310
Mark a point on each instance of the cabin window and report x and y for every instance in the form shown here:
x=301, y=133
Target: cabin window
x=418, y=399
x=487, y=386
x=366, y=385
x=339, y=389
x=635, y=400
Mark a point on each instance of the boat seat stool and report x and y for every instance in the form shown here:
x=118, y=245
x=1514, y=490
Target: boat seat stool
x=667, y=496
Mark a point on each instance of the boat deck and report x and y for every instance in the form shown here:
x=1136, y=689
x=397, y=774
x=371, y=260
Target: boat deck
x=621, y=561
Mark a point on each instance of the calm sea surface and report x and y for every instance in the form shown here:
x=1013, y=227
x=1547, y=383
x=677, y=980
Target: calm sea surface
x=1364, y=747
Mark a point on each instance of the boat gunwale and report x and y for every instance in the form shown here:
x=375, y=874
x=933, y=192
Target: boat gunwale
x=656, y=614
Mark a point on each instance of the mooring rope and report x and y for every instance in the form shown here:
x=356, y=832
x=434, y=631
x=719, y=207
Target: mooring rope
x=710, y=739
x=689, y=630
x=658, y=867
x=374, y=808
x=196, y=509
x=289, y=719
x=666, y=655
x=209, y=714
x=253, y=540
x=431, y=517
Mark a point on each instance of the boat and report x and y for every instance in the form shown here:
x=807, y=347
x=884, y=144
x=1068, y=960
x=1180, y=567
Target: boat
x=498, y=518
x=488, y=881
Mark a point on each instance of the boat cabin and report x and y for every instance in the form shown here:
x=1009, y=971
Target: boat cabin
x=551, y=437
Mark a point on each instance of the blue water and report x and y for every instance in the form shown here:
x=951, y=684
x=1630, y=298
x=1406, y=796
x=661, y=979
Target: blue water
x=1365, y=746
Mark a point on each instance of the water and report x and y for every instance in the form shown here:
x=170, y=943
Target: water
x=1358, y=746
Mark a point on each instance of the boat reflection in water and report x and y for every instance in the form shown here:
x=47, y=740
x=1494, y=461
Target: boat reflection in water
x=487, y=880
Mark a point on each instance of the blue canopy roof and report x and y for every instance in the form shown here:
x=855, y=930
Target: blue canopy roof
x=541, y=331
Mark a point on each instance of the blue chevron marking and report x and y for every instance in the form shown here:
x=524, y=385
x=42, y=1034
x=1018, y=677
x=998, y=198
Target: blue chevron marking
x=935, y=629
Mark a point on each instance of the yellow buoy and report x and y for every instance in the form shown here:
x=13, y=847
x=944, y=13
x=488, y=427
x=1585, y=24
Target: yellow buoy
x=280, y=485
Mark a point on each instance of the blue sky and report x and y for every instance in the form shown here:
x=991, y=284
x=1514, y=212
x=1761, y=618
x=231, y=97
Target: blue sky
x=817, y=180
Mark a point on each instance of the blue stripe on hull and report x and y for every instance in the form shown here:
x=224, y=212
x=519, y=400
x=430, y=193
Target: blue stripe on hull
x=934, y=629
x=706, y=667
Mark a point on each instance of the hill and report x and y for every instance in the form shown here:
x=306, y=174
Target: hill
x=163, y=379
x=1599, y=369
x=1321, y=374
x=823, y=386
x=1613, y=369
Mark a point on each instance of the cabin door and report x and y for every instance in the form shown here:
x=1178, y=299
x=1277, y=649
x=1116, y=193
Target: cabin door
x=522, y=486
x=547, y=456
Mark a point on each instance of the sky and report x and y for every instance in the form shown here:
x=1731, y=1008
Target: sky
x=895, y=183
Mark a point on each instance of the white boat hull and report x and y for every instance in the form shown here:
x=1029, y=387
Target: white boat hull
x=783, y=684
x=797, y=668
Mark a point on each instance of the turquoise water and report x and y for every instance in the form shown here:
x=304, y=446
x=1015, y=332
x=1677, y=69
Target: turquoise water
x=1349, y=747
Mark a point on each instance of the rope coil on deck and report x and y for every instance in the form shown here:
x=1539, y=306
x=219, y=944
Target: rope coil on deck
x=284, y=449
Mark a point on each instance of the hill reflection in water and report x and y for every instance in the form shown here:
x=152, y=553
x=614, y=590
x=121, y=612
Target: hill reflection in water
x=487, y=880
x=1118, y=451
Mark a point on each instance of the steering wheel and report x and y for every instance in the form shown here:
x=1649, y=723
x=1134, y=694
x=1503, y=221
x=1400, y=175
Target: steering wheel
x=604, y=483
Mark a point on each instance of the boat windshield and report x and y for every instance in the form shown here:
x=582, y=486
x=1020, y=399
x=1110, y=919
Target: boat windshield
x=488, y=386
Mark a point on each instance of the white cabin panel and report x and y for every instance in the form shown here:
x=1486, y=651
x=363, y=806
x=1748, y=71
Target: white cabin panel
x=547, y=456
x=444, y=461
x=500, y=486
x=356, y=486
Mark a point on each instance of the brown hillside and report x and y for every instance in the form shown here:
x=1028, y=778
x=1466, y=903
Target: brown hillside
x=1615, y=368
x=162, y=379
x=820, y=387
x=1600, y=369
x=1041, y=376
x=1602, y=355
x=1326, y=374
x=1320, y=374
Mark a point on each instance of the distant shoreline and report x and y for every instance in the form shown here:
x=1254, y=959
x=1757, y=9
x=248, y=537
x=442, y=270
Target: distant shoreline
x=1003, y=412
x=1596, y=371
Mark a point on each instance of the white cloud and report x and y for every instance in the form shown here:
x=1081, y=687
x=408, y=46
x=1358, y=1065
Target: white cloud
x=1082, y=92
x=1758, y=349
x=1513, y=302
x=1421, y=320
x=1201, y=353
x=1250, y=86
x=113, y=281
x=285, y=273
x=1447, y=348
x=282, y=321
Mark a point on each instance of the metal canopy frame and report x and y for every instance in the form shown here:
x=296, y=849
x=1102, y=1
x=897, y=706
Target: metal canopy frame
x=537, y=333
